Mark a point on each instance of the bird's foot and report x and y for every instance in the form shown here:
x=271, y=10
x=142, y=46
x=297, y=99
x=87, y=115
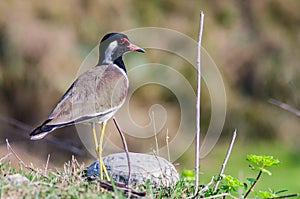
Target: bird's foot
x=103, y=170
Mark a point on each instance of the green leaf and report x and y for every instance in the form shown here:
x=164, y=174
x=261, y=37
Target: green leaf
x=224, y=187
x=251, y=180
x=270, y=161
x=281, y=191
x=253, y=158
x=266, y=194
x=230, y=183
x=255, y=168
x=262, y=160
x=266, y=171
x=188, y=173
x=245, y=186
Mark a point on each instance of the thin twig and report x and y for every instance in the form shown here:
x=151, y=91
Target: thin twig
x=225, y=160
x=206, y=187
x=286, y=196
x=197, y=151
x=155, y=133
x=4, y=157
x=285, y=106
x=15, y=123
x=121, y=187
x=125, y=148
x=254, y=183
x=218, y=195
x=21, y=161
x=47, y=163
x=167, y=141
x=160, y=167
x=15, y=154
x=221, y=195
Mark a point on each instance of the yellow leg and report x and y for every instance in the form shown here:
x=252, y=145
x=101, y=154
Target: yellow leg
x=101, y=164
x=97, y=148
x=95, y=137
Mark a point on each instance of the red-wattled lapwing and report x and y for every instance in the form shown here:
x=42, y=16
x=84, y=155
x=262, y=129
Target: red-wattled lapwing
x=96, y=95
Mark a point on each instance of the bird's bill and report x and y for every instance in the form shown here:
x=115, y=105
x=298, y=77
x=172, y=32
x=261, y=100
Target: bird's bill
x=133, y=47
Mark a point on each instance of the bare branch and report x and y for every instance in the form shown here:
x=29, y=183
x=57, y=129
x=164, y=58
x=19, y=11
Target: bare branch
x=14, y=153
x=121, y=187
x=285, y=106
x=160, y=167
x=155, y=134
x=225, y=160
x=167, y=141
x=286, y=196
x=21, y=161
x=125, y=148
x=206, y=187
x=197, y=151
x=218, y=195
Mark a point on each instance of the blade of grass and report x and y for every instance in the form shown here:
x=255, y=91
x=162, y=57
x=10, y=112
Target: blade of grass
x=47, y=163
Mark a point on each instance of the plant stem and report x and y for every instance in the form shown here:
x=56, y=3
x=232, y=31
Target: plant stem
x=252, y=186
x=285, y=106
x=197, y=155
x=286, y=196
x=225, y=160
x=10, y=149
x=206, y=187
x=155, y=134
x=125, y=148
x=167, y=142
x=218, y=195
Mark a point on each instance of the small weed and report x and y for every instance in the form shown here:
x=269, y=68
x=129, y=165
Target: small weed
x=230, y=187
x=230, y=184
x=259, y=163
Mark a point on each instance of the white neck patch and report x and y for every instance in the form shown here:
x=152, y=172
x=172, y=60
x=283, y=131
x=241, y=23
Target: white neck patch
x=109, y=51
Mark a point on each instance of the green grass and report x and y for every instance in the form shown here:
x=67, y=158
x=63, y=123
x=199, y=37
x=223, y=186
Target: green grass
x=65, y=183
x=68, y=182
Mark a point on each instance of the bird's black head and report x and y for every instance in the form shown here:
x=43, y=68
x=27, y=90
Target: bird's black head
x=113, y=46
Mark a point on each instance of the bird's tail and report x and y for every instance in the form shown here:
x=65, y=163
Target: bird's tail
x=41, y=131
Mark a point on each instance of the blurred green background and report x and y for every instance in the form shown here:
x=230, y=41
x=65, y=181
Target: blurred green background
x=255, y=45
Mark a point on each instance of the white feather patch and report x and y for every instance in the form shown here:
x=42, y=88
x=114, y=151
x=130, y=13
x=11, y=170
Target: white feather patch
x=109, y=51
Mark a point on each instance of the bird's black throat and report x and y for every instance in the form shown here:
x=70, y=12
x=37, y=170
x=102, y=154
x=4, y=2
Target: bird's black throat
x=119, y=62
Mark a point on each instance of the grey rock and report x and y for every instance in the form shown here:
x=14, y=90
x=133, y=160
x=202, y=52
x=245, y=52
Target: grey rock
x=16, y=179
x=144, y=167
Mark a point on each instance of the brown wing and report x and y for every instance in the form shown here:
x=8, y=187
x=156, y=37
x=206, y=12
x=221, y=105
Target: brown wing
x=96, y=93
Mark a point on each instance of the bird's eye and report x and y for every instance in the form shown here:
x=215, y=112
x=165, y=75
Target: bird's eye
x=123, y=41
